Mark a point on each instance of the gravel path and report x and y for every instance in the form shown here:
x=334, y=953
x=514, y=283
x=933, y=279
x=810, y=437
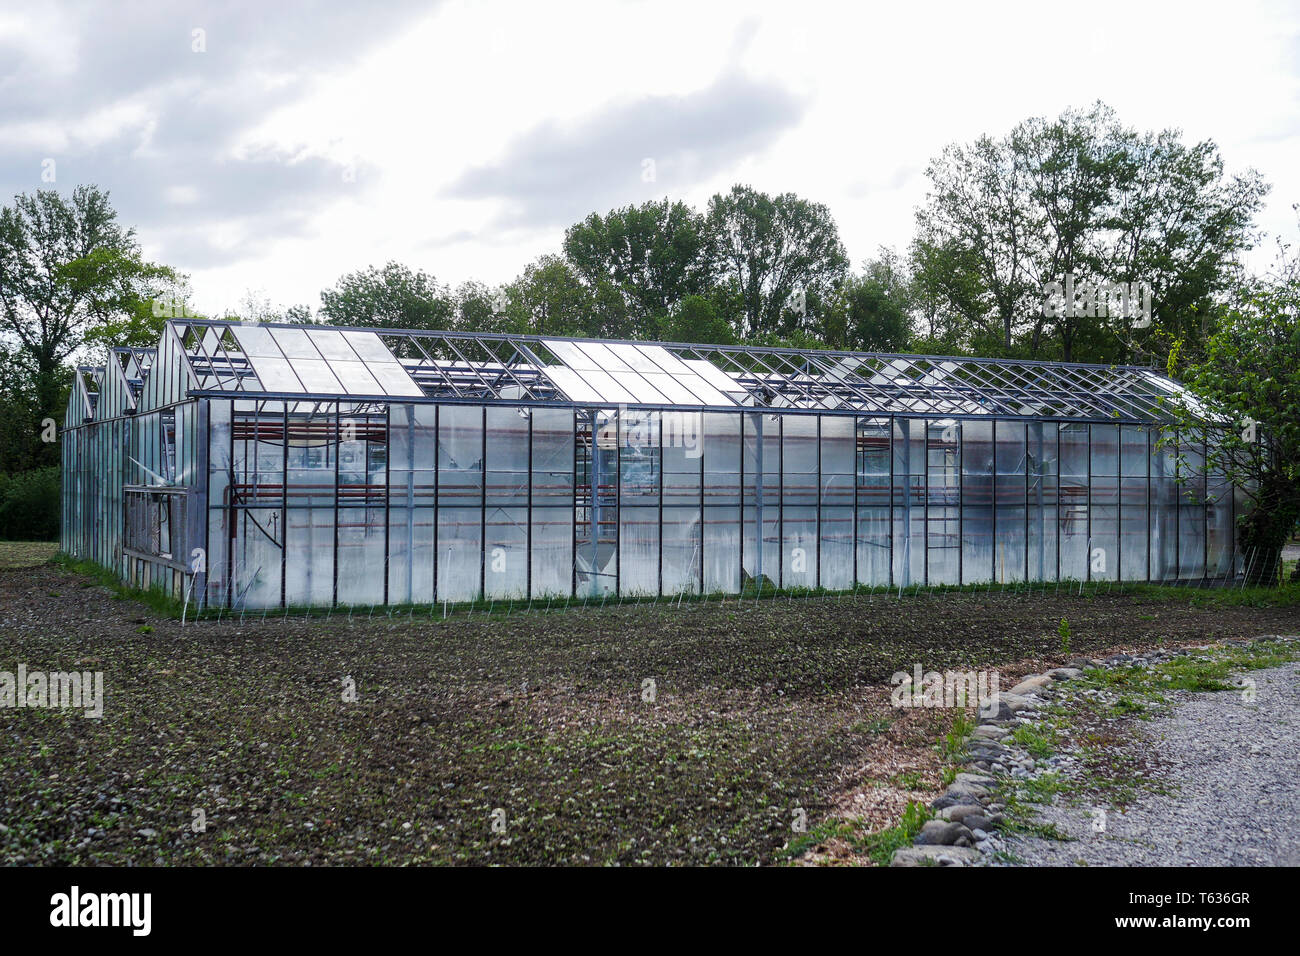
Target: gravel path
x=1231, y=768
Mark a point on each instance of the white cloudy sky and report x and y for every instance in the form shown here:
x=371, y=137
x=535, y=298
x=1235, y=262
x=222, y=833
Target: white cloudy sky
x=312, y=139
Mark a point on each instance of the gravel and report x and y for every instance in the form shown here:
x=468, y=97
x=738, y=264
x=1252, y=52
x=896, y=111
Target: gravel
x=1231, y=769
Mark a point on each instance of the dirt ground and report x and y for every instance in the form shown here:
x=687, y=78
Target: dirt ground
x=642, y=734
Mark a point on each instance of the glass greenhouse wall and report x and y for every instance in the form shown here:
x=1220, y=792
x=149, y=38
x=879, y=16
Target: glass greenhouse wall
x=265, y=466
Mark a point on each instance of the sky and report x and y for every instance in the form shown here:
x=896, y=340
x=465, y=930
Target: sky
x=266, y=149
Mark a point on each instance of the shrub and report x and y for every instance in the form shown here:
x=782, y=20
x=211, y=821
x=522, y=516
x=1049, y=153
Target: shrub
x=30, y=505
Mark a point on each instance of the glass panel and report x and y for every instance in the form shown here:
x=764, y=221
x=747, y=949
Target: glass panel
x=332, y=345
x=571, y=384
x=459, y=553
x=799, y=547
x=639, y=551
x=355, y=379
x=393, y=379
x=368, y=346
x=295, y=344
x=977, y=501
x=460, y=455
x=309, y=571
x=721, y=550
x=276, y=374
x=681, y=550
x=552, y=552
x=505, y=560
x=637, y=386
x=316, y=376
x=256, y=340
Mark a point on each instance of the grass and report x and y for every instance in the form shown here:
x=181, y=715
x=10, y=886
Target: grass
x=1194, y=593
x=156, y=599
x=880, y=846
x=26, y=554
x=1113, y=771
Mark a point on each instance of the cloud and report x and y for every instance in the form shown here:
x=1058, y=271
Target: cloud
x=152, y=102
x=554, y=174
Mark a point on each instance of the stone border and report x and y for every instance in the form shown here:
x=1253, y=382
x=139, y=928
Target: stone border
x=967, y=817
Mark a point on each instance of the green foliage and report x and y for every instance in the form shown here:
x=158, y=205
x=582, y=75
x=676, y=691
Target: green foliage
x=770, y=248
x=1063, y=631
x=66, y=267
x=393, y=297
x=881, y=846
x=871, y=312
x=551, y=298
x=30, y=505
x=1250, y=374
x=653, y=255
x=696, y=319
x=1079, y=195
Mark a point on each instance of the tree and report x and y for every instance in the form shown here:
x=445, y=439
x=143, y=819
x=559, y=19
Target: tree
x=1250, y=377
x=871, y=312
x=770, y=248
x=550, y=298
x=394, y=297
x=653, y=255
x=1085, y=199
x=21, y=433
x=67, y=266
x=696, y=319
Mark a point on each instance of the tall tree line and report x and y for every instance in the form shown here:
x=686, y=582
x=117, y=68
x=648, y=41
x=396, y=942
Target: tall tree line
x=1079, y=199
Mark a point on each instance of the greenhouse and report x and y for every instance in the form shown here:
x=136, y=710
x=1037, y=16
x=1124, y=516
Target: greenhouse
x=263, y=466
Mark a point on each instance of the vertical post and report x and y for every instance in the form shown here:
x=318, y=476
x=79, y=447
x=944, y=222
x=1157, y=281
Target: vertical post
x=338, y=454
x=857, y=477
x=618, y=504
x=437, y=491
x=528, y=572
x=892, y=536
x=660, y=417
x=925, y=471
x=388, y=489
x=482, y=507
x=821, y=486
x=961, y=501
x=284, y=501
x=993, y=499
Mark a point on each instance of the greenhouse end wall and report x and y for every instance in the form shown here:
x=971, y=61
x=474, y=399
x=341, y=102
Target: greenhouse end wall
x=326, y=503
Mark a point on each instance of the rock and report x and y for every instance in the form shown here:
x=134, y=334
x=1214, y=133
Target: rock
x=979, y=835
x=942, y=833
x=934, y=856
x=977, y=822
x=1079, y=663
x=989, y=732
x=1031, y=684
x=962, y=795
x=973, y=780
x=994, y=710
x=958, y=813
x=147, y=833
x=1065, y=673
x=1001, y=706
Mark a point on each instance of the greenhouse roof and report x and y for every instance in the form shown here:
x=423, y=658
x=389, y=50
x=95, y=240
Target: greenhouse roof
x=319, y=362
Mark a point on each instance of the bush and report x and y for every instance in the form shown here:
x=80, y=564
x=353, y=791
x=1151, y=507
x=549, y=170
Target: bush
x=30, y=505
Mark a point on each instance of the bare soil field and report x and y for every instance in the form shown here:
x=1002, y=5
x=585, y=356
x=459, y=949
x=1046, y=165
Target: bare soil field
x=531, y=739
